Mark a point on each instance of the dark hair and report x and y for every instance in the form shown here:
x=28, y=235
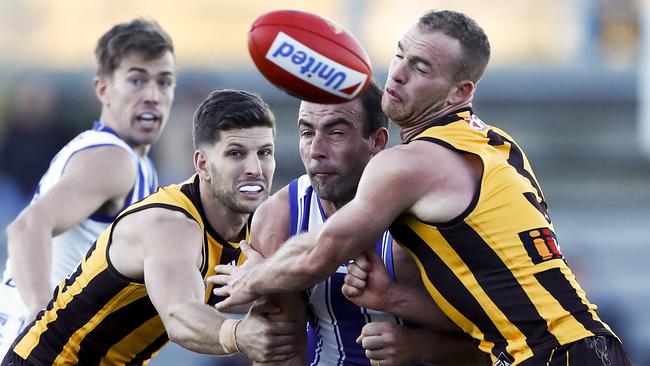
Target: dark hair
x=473, y=41
x=374, y=115
x=143, y=36
x=229, y=109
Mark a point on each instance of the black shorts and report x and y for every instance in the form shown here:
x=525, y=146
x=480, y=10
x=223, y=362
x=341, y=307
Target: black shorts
x=592, y=351
x=12, y=359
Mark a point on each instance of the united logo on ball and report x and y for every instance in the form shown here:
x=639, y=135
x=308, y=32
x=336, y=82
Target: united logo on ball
x=308, y=56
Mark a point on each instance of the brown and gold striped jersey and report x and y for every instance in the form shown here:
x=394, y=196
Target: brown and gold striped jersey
x=100, y=317
x=497, y=270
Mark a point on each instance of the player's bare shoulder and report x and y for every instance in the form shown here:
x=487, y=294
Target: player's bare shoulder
x=109, y=168
x=427, y=180
x=156, y=222
x=95, y=180
x=447, y=181
x=390, y=184
x=152, y=232
x=401, y=166
x=429, y=163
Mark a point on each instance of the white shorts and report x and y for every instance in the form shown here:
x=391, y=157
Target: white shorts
x=12, y=316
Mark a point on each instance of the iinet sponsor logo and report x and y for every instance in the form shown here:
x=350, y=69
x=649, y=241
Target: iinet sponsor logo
x=314, y=68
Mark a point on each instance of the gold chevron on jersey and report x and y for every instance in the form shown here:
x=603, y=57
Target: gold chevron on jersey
x=100, y=317
x=496, y=270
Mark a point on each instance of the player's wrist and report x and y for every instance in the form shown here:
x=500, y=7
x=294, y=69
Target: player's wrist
x=393, y=299
x=228, y=336
x=254, y=283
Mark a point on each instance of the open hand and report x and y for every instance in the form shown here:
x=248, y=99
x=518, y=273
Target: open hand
x=234, y=282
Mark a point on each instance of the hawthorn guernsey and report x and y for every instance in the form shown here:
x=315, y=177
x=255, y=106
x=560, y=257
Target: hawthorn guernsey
x=309, y=57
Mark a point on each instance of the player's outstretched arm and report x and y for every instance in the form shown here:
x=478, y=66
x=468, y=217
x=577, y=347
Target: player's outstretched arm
x=91, y=178
x=169, y=249
x=308, y=258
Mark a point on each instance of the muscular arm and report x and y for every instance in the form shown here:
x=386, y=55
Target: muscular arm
x=425, y=180
x=269, y=230
x=167, y=258
x=308, y=258
x=91, y=178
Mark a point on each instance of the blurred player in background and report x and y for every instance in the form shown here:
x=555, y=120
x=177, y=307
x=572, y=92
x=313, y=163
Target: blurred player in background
x=461, y=198
x=96, y=175
x=336, y=143
x=142, y=283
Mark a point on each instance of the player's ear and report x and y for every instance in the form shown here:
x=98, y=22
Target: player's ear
x=201, y=164
x=378, y=140
x=462, y=92
x=100, y=83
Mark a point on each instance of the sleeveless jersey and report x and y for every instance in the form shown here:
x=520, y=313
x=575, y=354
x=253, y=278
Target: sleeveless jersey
x=497, y=270
x=69, y=247
x=100, y=317
x=334, y=322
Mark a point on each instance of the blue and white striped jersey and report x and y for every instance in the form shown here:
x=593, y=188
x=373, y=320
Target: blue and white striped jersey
x=69, y=247
x=334, y=322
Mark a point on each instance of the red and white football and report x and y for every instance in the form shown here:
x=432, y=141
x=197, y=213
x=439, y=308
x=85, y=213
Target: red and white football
x=309, y=57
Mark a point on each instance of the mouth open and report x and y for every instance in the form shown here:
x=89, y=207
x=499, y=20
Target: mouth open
x=148, y=118
x=251, y=189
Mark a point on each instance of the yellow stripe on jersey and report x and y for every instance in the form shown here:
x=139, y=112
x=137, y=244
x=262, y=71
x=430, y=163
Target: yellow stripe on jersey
x=126, y=296
x=449, y=309
x=497, y=270
x=98, y=316
x=136, y=343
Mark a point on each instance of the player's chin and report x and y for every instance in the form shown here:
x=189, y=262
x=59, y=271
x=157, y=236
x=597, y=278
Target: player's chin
x=324, y=180
x=390, y=109
x=147, y=138
x=249, y=202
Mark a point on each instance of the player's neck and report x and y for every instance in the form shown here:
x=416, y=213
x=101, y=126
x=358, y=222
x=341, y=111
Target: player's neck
x=222, y=219
x=105, y=120
x=410, y=130
x=142, y=150
x=330, y=207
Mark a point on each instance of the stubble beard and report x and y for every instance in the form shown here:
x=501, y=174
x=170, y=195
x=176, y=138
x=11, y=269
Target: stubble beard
x=228, y=198
x=395, y=111
x=339, y=194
